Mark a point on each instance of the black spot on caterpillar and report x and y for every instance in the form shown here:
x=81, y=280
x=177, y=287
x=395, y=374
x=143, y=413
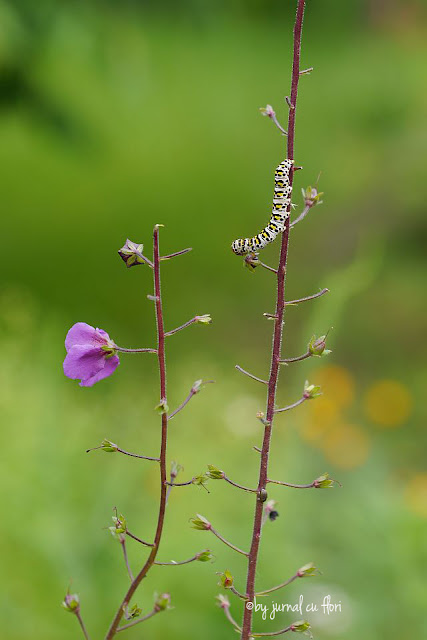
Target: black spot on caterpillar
x=281, y=202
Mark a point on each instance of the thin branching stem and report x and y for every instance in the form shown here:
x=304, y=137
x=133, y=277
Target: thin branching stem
x=291, y=406
x=135, y=622
x=315, y=295
x=273, y=633
x=297, y=359
x=301, y=216
x=277, y=341
x=239, y=368
x=294, y=486
x=177, y=253
x=230, y=618
x=146, y=544
x=82, y=625
x=239, y=486
x=183, y=404
x=183, y=326
x=175, y=564
x=277, y=123
x=237, y=593
x=124, y=350
x=229, y=544
x=265, y=266
x=134, y=455
x=145, y=259
x=180, y=484
x=125, y=555
x=279, y=586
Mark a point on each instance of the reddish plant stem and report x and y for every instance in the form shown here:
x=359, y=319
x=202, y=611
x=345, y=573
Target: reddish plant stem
x=277, y=342
x=82, y=625
x=163, y=488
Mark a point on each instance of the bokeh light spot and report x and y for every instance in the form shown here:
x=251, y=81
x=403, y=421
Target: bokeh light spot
x=323, y=415
x=337, y=383
x=388, y=403
x=346, y=446
x=416, y=494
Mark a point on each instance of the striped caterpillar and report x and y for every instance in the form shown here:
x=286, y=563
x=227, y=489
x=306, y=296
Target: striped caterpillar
x=280, y=213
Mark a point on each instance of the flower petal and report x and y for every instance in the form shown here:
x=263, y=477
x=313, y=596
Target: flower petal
x=83, y=362
x=111, y=365
x=80, y=333
x=104, y=334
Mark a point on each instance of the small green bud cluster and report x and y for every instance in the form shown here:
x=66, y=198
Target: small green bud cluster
x=308, y=571
x=162, y=407
x=162, y=602
x=131, y=253
x=71, y=603
x=119, y=528
x=225, y=579
x=325, y=481
x=200, y=523
x=316, y=346
x=302, y=626
x=311, y=196
x=204, y=556
x=311, y=391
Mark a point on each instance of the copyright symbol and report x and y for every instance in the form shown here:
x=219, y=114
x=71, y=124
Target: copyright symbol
x=249, y=606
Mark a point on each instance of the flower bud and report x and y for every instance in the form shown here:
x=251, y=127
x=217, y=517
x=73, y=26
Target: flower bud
x=316, y=346
x=133, y=612
x=130, y=253
x=204, y=556
x=225, y=579
x=162, y=602
x=268, y=111
x=324, y=482
x=311, y=196
x=214, y=473
x=223, y=601
x=175, y=469
x=311, y=391
x=71, y=602
x=261, y=417
x=302, y=626
x=162, y=407
x=118, y=530
x=205, y=319
x=251, y=261
x=201, y=523
x=108, y=446
x=308, y=571
x=200, y=481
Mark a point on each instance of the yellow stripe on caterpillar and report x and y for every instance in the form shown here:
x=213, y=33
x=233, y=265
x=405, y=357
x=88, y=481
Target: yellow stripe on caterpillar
x=280, y=213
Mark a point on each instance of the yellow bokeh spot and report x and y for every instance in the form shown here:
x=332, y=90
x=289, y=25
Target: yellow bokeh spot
x=323, y=416
x=337, y=383
x=416, y=494
x=346, y=446
x=388, y=403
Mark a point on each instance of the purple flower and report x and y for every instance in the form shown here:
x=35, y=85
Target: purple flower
x=91, y=354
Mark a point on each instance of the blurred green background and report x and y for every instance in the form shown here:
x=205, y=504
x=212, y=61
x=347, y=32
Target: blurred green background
x=117, y=116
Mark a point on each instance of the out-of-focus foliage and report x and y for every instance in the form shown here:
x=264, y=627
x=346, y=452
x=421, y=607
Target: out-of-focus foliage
x=117, y=116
